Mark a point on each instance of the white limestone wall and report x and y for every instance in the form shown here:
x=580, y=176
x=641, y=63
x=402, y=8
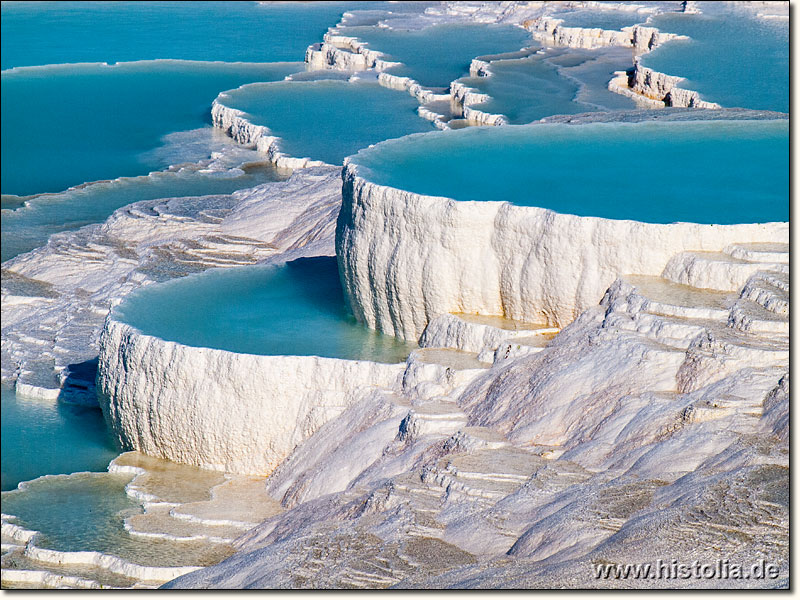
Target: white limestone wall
x=664, y=88
x=233, y=123
x=463, y=98
x=221, y=410
x=405, y=258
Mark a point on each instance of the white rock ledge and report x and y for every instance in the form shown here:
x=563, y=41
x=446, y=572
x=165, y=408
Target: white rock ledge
x=232, y=122
x=405, y=258
x=658, y=87
x=238, y=413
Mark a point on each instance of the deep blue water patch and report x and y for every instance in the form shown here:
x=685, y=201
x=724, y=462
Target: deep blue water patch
x=44, y=33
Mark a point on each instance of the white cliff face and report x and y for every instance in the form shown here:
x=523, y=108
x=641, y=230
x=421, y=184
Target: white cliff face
x=222, y=410
x=664, y=88
x=641, y=38
x=462, y=99
x=405, y=258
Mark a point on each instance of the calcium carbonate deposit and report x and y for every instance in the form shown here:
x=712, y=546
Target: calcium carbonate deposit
x=478, y=295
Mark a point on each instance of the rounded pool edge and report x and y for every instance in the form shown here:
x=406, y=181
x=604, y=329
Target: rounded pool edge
x=221, y=410
x=405, y=257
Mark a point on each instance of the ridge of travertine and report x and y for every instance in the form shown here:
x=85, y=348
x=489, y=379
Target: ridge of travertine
x=515, y=473
x=527, y=472
x=494, y=258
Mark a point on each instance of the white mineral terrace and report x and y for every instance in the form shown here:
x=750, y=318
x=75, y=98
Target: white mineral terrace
x=574, y=401
x=406, y=258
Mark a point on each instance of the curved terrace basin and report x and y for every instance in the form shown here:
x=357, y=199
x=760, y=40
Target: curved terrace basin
x=438, y=54
x=104, y=122
x=724, y=172
x=327, y=120
x=561, y=81
x=732, y=58
x=291, y=309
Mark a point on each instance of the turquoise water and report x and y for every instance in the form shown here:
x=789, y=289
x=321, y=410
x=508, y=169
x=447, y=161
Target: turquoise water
x=604, y=19
x=41, y=437
x=437, y=55
x=531, y=88
x=527, y=89
x=732, y=58
x=328, y=120
x=297, y=308
x=702, y=172
x=43, y=33
x=70, y=124
x=87, y=511
x=30, y=226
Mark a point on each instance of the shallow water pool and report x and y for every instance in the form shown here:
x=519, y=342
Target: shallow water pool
x=327, y=120
x=295, y=308
x=35, y=434
x=732, y=58
x=657, y=172
x=438, y=54
x=604, y=19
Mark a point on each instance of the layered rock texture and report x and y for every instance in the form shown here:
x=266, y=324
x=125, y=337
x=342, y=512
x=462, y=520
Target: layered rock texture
x=577, y=403
x=405, y=257
x=653, y=427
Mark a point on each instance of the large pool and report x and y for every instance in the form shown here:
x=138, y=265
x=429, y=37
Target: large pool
x=327, y=120
x=71, y=124
x=292, y=309
x=41, y=33
x=658, y=172
x=732, y=58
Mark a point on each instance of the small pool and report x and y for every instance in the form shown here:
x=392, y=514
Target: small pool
x=327, y=120
x=295, y=308
x=732, y=58
x=439, y=54
x=557, y=82
x=658, y=172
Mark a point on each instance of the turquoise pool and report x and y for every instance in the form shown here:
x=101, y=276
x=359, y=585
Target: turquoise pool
x=438, y=54
x=42, y=33
x=557, y=82
x=70, y=124
x=604, y=19
x=732, y=58
x=296, y=308
x=657, y=172
x=41, y=437
x=328, y=120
